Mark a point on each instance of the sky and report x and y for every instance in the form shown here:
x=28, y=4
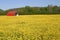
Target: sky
x=9, y=4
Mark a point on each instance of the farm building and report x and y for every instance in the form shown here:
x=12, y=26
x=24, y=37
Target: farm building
x=12, y=13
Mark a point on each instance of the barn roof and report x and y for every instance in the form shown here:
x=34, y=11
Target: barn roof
x=11, y=13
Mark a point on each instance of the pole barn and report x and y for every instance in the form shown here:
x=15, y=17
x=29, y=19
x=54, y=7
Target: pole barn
x=12, y=13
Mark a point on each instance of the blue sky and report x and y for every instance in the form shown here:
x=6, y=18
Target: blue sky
x=8, y=4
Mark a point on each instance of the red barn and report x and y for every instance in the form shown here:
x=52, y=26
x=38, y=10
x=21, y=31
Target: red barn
x=11, y=13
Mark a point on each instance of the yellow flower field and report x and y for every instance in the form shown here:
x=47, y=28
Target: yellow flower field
x=30, y=27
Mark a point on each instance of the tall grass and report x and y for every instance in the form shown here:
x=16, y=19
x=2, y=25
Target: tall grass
x=30, y=27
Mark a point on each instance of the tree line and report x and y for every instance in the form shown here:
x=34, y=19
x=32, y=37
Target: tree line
x=27, y=10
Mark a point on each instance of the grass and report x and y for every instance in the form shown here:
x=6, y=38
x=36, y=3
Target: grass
x=30, y=27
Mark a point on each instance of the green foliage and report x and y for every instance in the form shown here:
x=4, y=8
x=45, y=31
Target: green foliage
x=27, y=10
x=1, y=12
